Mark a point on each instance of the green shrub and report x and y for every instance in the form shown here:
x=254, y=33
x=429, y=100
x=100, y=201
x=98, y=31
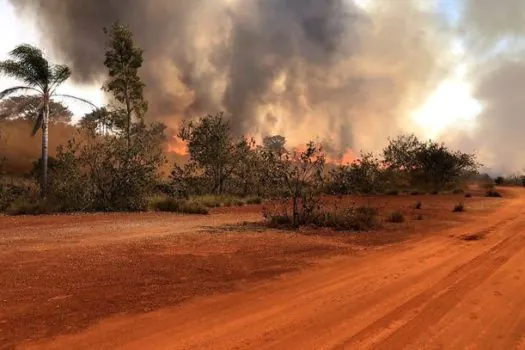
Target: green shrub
x=188, y=207
x=31, y=206
x=279, y=220
x=215, y=201
x=396, y=217
x=494, y=194
x=10, y=192
x=172, y=205
x=254, y=200
x=349, y=219
x=459, y=208
x=418, y=205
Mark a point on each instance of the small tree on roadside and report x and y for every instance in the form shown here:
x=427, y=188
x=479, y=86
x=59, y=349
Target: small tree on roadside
x=363, y=176
x=212, y=148
x=301, y=175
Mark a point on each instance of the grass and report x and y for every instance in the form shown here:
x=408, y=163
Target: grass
x=216, y=201
x=27, y=206
x=172, y=205
x=350, y=219
x=459, y=208
x=254, y=200
x=396, y=217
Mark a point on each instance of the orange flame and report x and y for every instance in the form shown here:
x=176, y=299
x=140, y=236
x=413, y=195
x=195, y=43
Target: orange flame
x=177, y=146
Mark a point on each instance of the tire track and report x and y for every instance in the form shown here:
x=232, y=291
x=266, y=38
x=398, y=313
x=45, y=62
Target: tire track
x=408, y=321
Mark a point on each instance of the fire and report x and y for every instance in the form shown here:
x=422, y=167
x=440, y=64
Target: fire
x=348, y=157
x=177, y=146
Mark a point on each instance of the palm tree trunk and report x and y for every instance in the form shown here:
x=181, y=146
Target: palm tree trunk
x=45, y=143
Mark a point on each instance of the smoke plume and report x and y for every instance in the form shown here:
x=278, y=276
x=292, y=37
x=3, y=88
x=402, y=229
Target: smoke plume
x=493, y=33
x=327, y=70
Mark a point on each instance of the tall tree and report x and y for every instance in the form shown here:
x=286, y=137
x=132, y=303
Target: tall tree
x=212, y=147
x=28, y=64
x=123, y=60
x=26, y=107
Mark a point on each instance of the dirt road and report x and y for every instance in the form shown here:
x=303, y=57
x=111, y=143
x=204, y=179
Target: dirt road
x=444, y=291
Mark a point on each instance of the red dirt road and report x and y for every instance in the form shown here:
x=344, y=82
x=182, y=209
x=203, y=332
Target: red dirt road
x=439, y=291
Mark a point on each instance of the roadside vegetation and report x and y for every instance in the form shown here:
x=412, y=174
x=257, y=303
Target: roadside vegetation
x=115, y=160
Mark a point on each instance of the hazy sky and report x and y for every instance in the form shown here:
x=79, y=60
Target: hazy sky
x=17, y=32
x=453, y=70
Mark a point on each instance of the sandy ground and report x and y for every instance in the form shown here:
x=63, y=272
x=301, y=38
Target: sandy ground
x=150, y=281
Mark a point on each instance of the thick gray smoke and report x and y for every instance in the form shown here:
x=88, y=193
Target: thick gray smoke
x=309, y=69
x=493, y=33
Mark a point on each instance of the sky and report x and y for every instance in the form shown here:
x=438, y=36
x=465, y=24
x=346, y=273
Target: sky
x=17, y=32
x=452, y=68
x=427, y=116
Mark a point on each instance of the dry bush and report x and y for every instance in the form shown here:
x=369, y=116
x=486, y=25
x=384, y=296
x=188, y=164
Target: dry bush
x=396, y=217
x=493, y=194
x=172, y=205
x=459, y=208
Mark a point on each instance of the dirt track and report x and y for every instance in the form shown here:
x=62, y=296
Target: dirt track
x=437, y=291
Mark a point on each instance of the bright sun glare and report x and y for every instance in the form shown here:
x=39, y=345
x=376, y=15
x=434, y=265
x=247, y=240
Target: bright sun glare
x=450, y=105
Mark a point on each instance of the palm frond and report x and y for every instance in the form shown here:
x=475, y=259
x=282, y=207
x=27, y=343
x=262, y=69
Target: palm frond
x=74, y=98
x=59, y=74
x=39, y=121
x=20, y=72
x=17, y=89
x=31, y=59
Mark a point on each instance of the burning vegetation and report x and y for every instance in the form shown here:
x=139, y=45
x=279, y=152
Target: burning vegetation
x=115, y=160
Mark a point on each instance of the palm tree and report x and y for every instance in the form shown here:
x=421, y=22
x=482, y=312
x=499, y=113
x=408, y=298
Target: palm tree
x=29, y=65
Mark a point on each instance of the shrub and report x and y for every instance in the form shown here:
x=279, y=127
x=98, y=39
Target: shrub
x=418, y=205
x=350, y=219
x=468, y=195
x=458, y=191
x=279, y=220
x=188, y=207
x=11, y=192
x=434, y=193
x=396, y=217
x=172, y=205
x=392, y=192
x=415, y=193
x=494, y=194
x=419, y=217
x=487, y=185
x=254, y=200
x=459, y=208
x=31, y=206
x=215, y=201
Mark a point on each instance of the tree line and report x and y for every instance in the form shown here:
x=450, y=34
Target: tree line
x=114, y=160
